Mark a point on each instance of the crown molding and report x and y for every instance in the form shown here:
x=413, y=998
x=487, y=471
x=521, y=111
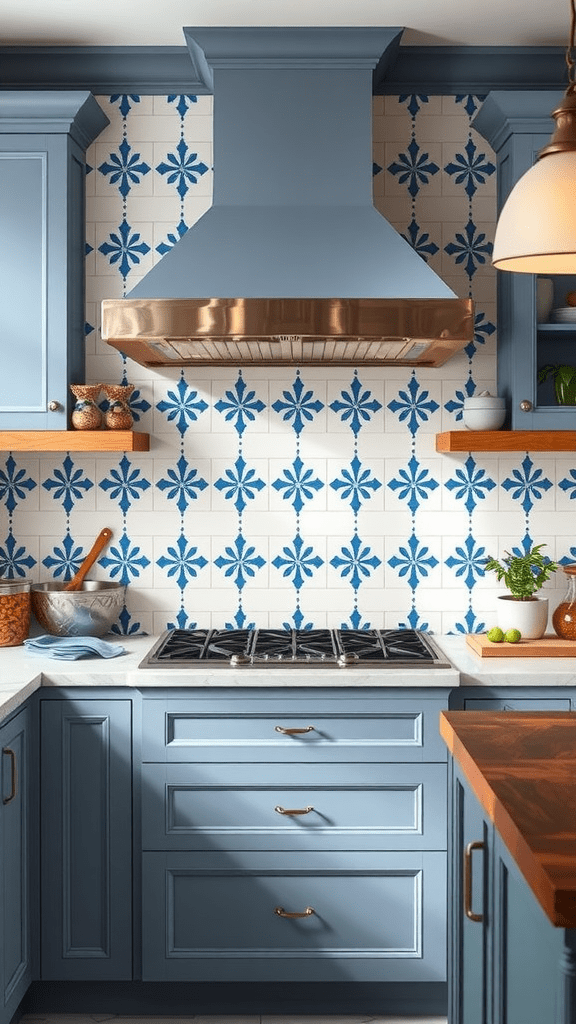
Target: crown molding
x=158, y=70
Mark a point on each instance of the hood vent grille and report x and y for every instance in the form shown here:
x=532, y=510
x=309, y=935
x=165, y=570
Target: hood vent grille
x=292, y=215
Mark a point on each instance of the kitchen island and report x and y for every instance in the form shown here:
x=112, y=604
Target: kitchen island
x=512, y=857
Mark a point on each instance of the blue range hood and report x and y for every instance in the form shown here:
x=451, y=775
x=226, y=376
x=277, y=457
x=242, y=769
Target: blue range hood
x=292, y=262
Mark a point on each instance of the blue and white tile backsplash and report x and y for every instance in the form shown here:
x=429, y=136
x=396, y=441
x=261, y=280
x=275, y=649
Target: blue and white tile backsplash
x=290, y=496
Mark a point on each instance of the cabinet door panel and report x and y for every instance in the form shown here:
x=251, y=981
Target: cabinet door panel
x=345, y=806
x=15, y=970
x=86, y=840
x=209, y=917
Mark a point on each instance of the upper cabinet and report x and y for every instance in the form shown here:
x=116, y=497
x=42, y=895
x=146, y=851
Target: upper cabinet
x=517, y=125
x=43, y=141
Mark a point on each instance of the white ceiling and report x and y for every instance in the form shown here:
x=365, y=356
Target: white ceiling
x=159, y=22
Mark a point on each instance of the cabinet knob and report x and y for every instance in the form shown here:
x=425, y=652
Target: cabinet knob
x=54, y=406
x=526, y=405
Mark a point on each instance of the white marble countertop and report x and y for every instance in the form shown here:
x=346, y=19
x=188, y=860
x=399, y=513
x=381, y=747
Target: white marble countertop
x=21, y=673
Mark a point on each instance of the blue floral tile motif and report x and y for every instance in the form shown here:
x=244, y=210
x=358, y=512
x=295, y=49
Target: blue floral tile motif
x=483, y=329
x=468, y=561
x=68, y=484
x=14, y=484
x=124, y=249
x=182, y=561
x=471, y=169
x=298, y=406
x=413, y=167
x=471, y=624
x=240, y=406
x=420, y=242
x=182, y=484
x=125, y=101
x=355, y=406
x=240, y=561
x=124, y=560
x=64, y=560
x=355, y=562
x=568, y=484
x=356, y=483
x=14, y=562
x=356, y=621
x=124, y=484
x=298, y=484
x=172, y=237
x=182, y=102
x=470, y=246
x=137, y=403
x=297, y=620
x=414, y=621
x=240, y=621
x=297, y=562
x=413, y=561
x=182, y=406
x=526, y=484
x=469, y=102
x=125, y=625
x=124, y=168
x=412, y=484
x=182, y=168
x=470, y=483
x=239, y=484
x=182, y=621
x=375, y=169
x=413, y=405
x=413, y=102
x=456, y=404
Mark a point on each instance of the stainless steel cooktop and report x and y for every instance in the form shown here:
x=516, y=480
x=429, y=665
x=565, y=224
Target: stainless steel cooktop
x=294, y=648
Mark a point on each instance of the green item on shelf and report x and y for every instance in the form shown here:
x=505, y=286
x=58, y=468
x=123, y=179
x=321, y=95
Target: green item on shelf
x=564, y=381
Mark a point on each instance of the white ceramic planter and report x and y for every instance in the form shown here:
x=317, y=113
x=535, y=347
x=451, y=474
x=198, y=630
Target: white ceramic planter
x=530, y=617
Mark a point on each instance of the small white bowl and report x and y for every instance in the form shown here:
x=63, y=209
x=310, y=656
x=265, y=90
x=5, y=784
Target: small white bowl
x=483, y=412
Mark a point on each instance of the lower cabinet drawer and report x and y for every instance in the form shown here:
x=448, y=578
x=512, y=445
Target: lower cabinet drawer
x=298, y=917
x=243, y=807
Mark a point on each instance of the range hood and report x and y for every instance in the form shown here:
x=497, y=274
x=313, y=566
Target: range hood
x=292, y=263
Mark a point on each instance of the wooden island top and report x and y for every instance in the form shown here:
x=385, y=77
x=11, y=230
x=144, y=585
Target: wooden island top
x=522, y=768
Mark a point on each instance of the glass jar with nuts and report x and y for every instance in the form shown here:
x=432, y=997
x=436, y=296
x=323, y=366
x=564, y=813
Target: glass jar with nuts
x=14, y=611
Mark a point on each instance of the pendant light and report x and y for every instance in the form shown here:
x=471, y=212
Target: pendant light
x=536, y=230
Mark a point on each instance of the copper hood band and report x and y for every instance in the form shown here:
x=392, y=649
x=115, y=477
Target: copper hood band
x=267, y=331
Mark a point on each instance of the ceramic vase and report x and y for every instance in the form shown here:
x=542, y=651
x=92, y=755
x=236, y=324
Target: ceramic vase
x=530, y=617
x=118, y=415
x=86, y=415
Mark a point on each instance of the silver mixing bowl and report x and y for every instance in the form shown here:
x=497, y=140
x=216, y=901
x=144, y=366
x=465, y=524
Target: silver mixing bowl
x=89, y=611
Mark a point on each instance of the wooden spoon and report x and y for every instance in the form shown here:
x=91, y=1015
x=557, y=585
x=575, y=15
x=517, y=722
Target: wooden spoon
x=101, y=541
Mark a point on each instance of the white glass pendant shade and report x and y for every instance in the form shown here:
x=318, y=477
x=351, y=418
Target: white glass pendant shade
x=536, y=232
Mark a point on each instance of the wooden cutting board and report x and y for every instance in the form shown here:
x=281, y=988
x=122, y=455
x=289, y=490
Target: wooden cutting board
x=547, y=647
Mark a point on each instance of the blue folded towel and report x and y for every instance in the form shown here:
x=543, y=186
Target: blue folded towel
x=70, y=648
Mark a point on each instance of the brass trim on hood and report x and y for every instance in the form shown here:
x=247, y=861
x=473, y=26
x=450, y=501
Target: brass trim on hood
x=271, y=331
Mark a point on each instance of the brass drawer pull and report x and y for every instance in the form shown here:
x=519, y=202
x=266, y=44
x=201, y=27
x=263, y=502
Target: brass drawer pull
x=303, y=913
x=293, y=810
x=14, y=774
x=293, y=732
x=476, y=845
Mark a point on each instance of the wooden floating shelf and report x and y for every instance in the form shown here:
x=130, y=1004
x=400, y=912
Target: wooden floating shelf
x=506, y=441
x=74, y=441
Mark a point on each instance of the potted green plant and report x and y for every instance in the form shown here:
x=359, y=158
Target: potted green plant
x=564, y=378
x=523, y=576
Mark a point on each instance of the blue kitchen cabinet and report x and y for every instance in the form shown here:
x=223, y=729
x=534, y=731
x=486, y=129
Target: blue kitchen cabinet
x=86, y=840
x=517, y=125
x=294, y=836
x=43, y=139
x=15, y=964
x=507, y=963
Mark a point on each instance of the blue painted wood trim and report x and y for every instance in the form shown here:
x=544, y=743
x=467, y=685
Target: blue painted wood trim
x=158, y=70
x=74, y=113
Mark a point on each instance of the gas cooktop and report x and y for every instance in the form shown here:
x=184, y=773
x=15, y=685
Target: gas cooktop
x=295, y=648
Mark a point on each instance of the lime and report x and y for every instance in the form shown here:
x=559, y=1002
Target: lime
x=496, y=635
x=512, y=636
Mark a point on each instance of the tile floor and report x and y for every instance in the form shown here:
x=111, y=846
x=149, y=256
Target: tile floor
x=103, y=1018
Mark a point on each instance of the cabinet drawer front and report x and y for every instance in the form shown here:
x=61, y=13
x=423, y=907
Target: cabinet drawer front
x=213, y=917
x=402, y=730
x=202, y=807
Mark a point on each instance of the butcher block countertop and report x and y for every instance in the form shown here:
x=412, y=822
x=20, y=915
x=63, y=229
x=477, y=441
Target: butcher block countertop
x=522, y=768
